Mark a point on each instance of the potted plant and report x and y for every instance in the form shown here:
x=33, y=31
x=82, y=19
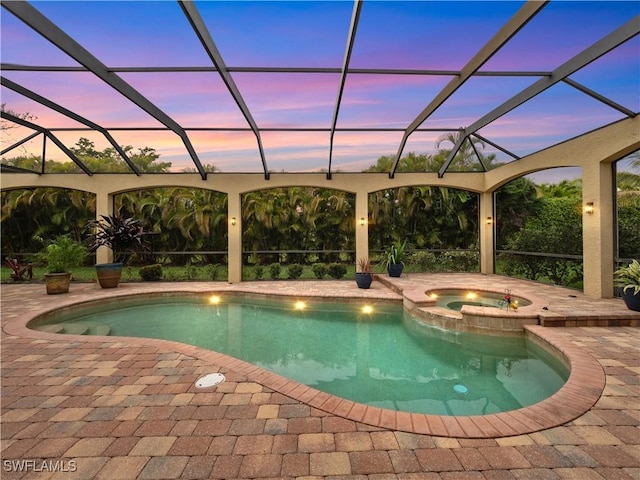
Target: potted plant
x=60, y=256
x=395, y=257
x=364, y=276
x=122, y=235
x=628, y=277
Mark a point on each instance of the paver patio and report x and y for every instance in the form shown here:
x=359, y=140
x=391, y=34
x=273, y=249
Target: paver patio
x=114, y=408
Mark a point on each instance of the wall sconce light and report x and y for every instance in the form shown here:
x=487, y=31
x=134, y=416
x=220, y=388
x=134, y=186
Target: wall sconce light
x=489, y=220
x=232, y=221
x=588, y=208
x=362, y=221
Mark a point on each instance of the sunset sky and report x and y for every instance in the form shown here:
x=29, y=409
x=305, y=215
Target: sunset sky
x=441, y=36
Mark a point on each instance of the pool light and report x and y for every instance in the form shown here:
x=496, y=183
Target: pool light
x=367, y=309
x=300, y=305
x=471, y=295
x=214, y=299
x=433, y=295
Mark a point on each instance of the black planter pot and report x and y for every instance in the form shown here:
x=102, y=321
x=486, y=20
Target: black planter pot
x=364, y=280
x=631, y=301
x=395, y=269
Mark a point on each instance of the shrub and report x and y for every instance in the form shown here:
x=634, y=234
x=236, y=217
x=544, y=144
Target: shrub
x=258, y=272
x=151, y=273
x=294, y=271
x=213, y=271
x=274, y=271
x=337, y=270
x=424, y=261
x=319, y=270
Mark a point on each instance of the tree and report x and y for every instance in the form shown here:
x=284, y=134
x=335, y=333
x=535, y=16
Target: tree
x=556, y=229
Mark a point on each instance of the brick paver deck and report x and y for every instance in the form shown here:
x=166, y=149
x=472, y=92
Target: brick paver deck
x=90, y=407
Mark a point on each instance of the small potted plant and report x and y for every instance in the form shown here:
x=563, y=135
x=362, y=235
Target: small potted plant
x=60, y=256
x=364, y=276
x=395, y=257
x=122, y=235
x=628, y=278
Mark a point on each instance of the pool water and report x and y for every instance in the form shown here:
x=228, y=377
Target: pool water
x=383, y=357
x=455, y=299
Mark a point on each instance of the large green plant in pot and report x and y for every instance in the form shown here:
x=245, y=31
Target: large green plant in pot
x=60, y=256
x=628, y=278
x=123, y=236
x=395, y=259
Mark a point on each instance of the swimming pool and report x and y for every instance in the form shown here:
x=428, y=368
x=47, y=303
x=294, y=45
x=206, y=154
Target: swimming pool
x=379, y=356
x=455, y=299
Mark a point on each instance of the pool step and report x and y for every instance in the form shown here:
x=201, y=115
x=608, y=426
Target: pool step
x=76, y=329
x=103, y=330
x=53, y=328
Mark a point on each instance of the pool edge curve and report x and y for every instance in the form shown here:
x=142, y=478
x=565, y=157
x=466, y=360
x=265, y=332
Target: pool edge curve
x=581, y=391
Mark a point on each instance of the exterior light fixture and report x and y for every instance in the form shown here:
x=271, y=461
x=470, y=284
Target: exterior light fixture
x=232, y=221
x=588, y=208
x=489, y=220
x=362, y=221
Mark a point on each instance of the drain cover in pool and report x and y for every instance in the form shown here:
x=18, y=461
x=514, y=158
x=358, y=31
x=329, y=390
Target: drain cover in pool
x=210, y=380
x=460, y=389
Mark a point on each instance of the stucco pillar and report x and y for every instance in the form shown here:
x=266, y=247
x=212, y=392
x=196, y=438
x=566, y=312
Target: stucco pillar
x=104, y=206
x=362, y=225
x=234, y=237
x=597, y=230
x=487, y=233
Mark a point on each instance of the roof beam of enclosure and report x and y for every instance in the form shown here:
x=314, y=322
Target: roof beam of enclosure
x=201, y=30
x=41, y=24
x=355, y=16
x=601, y=98
x=64, y=111
x=51, y=136
x=20, y=142
x=509, y=29
x=595, y=51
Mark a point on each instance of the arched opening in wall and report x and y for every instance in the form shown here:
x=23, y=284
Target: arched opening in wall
x=539, y=227
x=627, y=215
x=297, y=232
x=439, y=224
x=187, y=231
x=33, y=217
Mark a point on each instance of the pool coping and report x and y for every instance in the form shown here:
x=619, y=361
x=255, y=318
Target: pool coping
x=582, y=390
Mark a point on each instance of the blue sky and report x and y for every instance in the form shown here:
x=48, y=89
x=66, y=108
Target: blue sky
x=391, y=35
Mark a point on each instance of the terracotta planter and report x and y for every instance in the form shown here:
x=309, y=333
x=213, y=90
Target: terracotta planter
x=109, y=274
x=57, y=283
x=363, y=280
x=631, y=301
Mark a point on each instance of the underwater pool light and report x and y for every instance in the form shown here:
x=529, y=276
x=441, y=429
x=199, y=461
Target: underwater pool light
x=300, y=305
x=367, y=309
x=214, y=299
x=471, y=295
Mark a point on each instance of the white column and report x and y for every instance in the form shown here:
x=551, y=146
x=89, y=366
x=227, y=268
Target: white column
x=597, y=230
x=487, y=233
x=234, y=237
x=104, y=206
x=362, y=224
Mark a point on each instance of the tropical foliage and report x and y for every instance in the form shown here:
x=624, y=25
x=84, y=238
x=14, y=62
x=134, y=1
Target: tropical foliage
x=316, y=226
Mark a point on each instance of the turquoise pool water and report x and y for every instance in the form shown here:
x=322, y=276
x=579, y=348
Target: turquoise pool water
x=383, y=357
